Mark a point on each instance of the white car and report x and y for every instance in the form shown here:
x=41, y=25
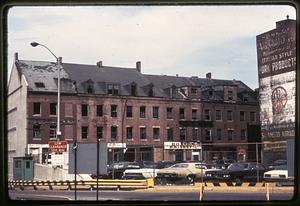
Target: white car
x=278, y=175
x=143, y=173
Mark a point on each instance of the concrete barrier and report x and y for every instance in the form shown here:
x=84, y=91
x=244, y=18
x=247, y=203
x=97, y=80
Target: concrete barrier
x=81, y=184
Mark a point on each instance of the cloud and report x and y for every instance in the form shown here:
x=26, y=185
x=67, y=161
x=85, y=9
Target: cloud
x=162, y=37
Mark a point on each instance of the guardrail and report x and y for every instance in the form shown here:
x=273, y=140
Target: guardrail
x=89, y=184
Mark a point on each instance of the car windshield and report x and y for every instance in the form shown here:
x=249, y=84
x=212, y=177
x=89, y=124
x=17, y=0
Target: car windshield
x=180, y=166
x=237, y=166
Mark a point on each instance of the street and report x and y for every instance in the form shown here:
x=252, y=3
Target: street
x=148, y=195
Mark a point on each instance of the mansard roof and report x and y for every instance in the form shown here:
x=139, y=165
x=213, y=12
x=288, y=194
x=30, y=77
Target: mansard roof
x=76, y=78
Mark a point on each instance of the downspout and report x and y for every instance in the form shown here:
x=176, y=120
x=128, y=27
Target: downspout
x=122, y=123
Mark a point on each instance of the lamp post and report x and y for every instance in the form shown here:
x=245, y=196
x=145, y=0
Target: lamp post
x=59, y=62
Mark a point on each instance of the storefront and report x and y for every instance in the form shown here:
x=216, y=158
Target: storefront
x=182, y=151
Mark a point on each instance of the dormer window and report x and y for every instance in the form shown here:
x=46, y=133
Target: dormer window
x=210, y=93
x=193, y=90
x=133, y=89
x=230, y=95
x=90, y=89
x=150, y=93
x=113, y=89
x=39, y=84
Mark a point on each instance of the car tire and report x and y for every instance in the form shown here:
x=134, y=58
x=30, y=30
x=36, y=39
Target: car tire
x=191, y=178
x=238, y=180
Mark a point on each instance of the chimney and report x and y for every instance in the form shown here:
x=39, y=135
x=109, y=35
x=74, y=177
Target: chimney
x=16, y=57
x=60, y=60
x=208, y=75
x=177, y=75
x=99, y=64
x=138, y=66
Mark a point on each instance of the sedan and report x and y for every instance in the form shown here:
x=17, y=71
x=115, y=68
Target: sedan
x=238, y=172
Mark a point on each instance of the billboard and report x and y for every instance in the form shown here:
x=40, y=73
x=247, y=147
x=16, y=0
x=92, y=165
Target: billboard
x=276, y=57
x=87, y=158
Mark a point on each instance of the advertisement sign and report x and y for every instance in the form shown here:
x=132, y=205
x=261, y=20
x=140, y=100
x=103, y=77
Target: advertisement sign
x=57, y=146
x=276, y=57
x=182, y=145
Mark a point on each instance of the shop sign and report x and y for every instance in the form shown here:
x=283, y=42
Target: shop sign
x=116, y=145
x=57, y=146
x=182, y=145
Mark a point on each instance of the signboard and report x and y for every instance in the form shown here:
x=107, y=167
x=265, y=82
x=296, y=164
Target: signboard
x=87, y=158
x=182, y=145
x=116, y=145
x=57, y=159
x=276, y=57
x=57, y=146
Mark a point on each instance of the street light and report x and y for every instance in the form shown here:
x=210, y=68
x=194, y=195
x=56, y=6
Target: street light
x=59, y=62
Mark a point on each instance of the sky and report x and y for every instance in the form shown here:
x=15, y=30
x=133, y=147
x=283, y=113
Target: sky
x=169, y=40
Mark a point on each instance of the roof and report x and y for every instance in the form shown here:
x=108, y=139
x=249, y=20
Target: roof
x=79, y=78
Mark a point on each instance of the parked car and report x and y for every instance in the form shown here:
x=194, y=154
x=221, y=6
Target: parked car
x=223, y=163
x=187, y=171
x=237, y=172
x=115, y=170
x=277, y=163
x=149, y=170
x=279, y=174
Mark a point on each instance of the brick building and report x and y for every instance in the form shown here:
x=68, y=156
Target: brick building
x=158, y=117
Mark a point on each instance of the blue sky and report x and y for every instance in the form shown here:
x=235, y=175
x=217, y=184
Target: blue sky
x=170, y=40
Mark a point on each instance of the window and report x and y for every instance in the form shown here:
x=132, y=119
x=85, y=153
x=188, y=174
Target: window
x=194, y=114
x=218, y=115
x=99, y=110
x=207, y=134
x=193, y=90
x=155, y=133
x=170, y=134
x=169, y=113
x=155, y=112
x=210, y=93
x=182, y=134
x=252, y=116
x=39, y=84
x=143, y=133
x=230, y=135
x=90, y=89
x=129, y=111
x=113, y=89
x=243, y=134
x=242, y=116
x=133, y=90
x=229, y=115
x=181, y=113
x=37, y=131
x=36, y=108
x=84, y=132
x=18, y=164
x=195, y=134
x=219, y=134
x=27, y=164
x=114, y=132
x=129, y=132
x=53, y=107
x=142, y=112
x=52, y=131
x=206, y=114
x=84, y=110
x=113, y=111
x=99, y=132
x=230, y=95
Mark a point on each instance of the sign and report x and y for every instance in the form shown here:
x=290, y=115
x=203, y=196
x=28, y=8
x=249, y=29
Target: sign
x=57, y=146
x=116, y=145
x=57, y=159
x=182, y=145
